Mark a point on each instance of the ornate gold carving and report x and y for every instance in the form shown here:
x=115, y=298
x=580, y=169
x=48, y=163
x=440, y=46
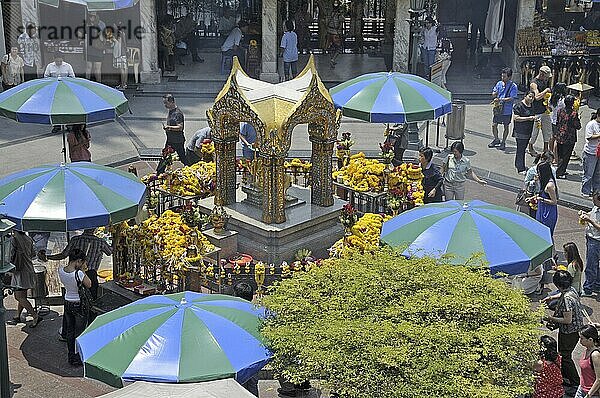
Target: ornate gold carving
x=273, y=142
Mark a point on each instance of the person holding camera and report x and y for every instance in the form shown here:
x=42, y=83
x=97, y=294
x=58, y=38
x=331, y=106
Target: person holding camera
x=568, y=319
x=71, y=276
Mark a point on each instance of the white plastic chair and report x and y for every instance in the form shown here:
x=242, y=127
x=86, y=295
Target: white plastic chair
x=133, y=60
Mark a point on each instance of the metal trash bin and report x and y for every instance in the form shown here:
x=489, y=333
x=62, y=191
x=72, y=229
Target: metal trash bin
x=455, y=127
x=40, y=290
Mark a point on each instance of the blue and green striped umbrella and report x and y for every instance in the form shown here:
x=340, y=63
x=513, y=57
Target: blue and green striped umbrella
x=70, y=197
x=95, y=5
x=511, y=242
x=391, y=97
x=61, y=101
x=177, y=338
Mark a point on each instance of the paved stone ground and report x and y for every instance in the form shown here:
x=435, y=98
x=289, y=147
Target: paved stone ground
x=38, y=361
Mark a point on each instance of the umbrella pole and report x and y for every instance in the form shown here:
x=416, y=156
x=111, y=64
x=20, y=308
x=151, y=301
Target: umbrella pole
x=437, y=134
x=427, y=135
x=64, y=148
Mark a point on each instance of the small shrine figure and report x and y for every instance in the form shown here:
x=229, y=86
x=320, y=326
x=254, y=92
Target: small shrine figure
x=253, y=60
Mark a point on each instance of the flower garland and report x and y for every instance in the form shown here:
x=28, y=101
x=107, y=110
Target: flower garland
x=195, y=180
x=361, y=174
x=297, y=165
x=364, y=238
x=166, y=239
x=406, y=183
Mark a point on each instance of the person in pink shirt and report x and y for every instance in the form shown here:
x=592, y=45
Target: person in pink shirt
x=79, y=144
x=589, y=364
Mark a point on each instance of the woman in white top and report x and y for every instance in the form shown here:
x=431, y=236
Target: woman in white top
x=590, y=181
x=75, y=317
x=12, y=66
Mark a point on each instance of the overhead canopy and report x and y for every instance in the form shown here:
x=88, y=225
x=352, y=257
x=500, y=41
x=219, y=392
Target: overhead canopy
x=62, y=100
x=69, y=197
x=509, y=241
x=225, y=388
x=391, y=97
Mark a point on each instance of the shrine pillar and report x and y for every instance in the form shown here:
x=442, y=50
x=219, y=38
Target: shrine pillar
x=322, y=184
x=225, y=166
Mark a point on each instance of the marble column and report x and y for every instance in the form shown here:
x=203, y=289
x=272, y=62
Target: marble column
x=29, y=13
x=149, y=70
x=2, y=39
x=401, y=36
x=525, y=13
x=269, y=42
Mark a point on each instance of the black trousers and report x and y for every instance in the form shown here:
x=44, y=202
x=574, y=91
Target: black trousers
x=564, y=155
x=75, y=323
x=520, y=154
x=93, y=275
x=30, y=72
x=566, y=345
x=179, y=147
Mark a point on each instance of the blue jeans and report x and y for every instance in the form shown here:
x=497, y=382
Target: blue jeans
x=290, y=66
x=581, y=394
x=428, y=59
x=590, y=182
x=592, y=267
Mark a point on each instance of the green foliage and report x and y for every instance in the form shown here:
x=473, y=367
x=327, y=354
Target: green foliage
x=384, y=326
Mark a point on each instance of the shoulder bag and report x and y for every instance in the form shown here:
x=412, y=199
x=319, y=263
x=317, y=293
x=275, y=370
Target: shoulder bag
x=85, y=296
x=499, y=106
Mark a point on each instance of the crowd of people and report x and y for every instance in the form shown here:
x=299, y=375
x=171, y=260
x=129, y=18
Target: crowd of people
x=24, y=61
x=554, y=113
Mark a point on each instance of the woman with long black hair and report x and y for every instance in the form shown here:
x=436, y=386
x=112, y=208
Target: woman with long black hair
x=568, y=319
x=547, y=197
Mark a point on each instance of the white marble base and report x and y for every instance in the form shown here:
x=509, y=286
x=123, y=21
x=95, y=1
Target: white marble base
x=150, y=77
x=269, y=77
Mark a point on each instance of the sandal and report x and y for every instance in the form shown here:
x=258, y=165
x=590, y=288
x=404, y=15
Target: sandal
x=14, y=321
x=36, y=321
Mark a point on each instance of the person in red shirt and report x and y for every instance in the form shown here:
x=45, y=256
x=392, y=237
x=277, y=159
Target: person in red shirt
x=548, y=378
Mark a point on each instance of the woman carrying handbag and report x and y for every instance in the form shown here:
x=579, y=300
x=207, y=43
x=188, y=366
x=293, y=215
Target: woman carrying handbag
x=75, y=313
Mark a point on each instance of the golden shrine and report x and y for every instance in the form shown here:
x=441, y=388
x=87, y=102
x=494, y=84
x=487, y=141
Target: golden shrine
x=274, y=110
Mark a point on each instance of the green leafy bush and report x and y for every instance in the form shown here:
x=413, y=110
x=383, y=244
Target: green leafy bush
x=384, y=326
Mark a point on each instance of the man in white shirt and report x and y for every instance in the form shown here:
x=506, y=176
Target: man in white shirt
x=227, y=22
x=429, y=42
x=59, y=68
x=29, y=47
x=231, y=46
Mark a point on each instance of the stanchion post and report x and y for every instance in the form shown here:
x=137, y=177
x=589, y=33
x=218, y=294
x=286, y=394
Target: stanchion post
x=5, y=228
